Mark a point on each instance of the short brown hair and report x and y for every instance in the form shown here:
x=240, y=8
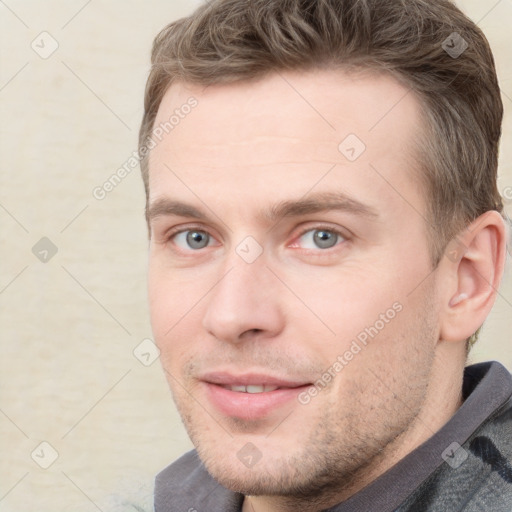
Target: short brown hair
x=226, y=41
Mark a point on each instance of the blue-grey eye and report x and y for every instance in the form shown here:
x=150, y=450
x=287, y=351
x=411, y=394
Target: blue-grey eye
x=320, y=239
x=192, y=239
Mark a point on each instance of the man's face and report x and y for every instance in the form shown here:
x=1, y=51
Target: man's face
x=292, y=249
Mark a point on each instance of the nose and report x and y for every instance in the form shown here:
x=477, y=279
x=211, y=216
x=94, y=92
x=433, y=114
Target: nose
x=244, y=304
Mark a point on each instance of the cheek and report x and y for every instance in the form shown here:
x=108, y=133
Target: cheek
x=167, y=310
x=360, y=308
x=169, y=297
x=161, y=304
x=175, y=311
x=345, y=299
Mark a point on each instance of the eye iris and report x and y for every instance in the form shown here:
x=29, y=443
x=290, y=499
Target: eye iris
x=197, y=239
x=325, y=239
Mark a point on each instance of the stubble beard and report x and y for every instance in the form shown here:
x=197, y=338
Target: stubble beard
x=330, y=461
x=353, y=433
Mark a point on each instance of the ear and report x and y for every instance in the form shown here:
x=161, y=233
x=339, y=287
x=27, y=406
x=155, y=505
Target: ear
x=473, y=267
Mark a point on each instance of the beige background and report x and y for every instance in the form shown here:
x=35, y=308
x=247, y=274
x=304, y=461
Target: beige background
x=68, y=375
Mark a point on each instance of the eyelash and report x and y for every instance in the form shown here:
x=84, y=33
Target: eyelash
x=322, y=228
x=170, y=235
x=173, y=232
x=329, y=229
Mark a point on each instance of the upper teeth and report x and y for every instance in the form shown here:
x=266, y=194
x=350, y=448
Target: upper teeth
x=251, y=389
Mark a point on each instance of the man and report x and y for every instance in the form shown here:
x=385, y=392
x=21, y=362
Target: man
x=326, y=240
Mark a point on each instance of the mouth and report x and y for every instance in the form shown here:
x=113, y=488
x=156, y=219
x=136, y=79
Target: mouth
x=250, y=396
x=253, y=389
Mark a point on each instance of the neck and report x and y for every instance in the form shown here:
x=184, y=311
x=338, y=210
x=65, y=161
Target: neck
x=444, y=397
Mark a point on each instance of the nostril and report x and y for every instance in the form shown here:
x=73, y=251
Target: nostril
x=251, y=332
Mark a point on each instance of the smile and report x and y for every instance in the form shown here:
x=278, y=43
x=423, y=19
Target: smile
x=251, y=389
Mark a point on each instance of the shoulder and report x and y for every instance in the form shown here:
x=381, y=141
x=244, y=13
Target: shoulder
x=184, y=479
x=479, y=477
x=188, y=470
x=186, y=485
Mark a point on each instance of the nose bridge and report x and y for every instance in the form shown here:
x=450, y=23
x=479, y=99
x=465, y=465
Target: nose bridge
x=241, y=301
x=240, y=286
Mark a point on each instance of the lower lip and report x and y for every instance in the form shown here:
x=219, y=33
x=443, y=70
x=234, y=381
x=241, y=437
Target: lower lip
x=250, y=406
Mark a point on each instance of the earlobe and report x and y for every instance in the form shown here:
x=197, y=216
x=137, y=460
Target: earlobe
x=474, y=275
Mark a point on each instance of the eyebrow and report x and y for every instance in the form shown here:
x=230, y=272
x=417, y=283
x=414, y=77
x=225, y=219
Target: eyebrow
x=168, y=207
x=315, y=203
x=320, y=202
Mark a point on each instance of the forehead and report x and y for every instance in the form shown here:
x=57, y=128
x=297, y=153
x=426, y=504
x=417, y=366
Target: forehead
x=289, y=129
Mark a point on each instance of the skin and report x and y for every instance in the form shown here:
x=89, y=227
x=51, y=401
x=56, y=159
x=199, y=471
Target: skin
x=250, y=146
